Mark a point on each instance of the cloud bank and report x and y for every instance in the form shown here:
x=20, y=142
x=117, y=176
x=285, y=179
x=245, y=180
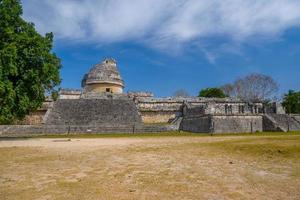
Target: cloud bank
x=161, y=23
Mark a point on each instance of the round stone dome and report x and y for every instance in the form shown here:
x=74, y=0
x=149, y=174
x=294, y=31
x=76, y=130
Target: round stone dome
x=104, y=77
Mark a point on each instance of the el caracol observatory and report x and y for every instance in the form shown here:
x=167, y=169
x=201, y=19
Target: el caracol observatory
x=104, y=77
x=102, y=107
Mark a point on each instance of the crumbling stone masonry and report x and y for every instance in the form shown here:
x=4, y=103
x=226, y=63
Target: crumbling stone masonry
x=219, y=116
x=102, y=107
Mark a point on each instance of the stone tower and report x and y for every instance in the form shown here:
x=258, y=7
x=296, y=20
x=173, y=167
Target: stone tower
x=103, y=78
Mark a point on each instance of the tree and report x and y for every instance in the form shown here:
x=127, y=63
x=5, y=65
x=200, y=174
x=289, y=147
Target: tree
x=255, y=87
x=228, y=90
x=28, y=68
x=291, y=102
x=181, y=93
x=212, y=92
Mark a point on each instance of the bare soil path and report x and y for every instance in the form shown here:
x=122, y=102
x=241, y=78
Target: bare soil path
x=229, y=167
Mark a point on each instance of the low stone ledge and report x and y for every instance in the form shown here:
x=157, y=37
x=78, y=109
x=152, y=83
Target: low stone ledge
x=38, y=130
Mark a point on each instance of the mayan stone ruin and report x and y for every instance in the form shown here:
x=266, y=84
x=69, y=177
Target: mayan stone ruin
x=101, y=106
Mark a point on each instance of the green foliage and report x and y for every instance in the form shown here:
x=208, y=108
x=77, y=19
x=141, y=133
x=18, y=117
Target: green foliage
x=55, y=95
x=28, y=68
x=291, y=102
x=212, y=92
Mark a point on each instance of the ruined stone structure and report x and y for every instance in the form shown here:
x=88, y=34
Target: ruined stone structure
x=222, y=116
x=102, y=107
x=103, y=77
x=69, y=94
x=93, y=112
x=203, y=114
x=37, y=117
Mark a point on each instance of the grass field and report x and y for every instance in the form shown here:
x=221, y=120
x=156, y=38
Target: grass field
x=151, y=166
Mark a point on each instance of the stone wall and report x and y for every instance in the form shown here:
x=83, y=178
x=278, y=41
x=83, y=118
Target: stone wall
x=269, y=124
x=222, y=124
x=69, y=94
x=36, y=117
x=237, y=124
x=105, y=112
x=135, y=94
x=93, y=112
x=189, y=110
x=152, y=117
x=162, y=110
x=33, y=118
x=220, y=117
x=155, y=110
x=104, y=87
x=232, y=107
x=38, y=130
x=282, y=122
x=198, y=124
x=296, y=117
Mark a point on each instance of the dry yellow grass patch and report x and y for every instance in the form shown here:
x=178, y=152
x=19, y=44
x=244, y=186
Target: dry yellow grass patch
x=235, y=167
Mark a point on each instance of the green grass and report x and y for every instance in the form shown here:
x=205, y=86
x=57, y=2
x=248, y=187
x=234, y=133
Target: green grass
x=117, y=135
x=159, y=134
x=166, y=134
x=258, y=134
x=279, y=147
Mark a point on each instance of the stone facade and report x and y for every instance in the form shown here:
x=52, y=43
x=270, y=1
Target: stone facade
x=103, y=77
x=281, y=122
x=37, y=117
x=237, y=124
x=159, y=110
x=102, y=107
x=222, y=116
x=33, y=118
x=104, y=87
x=163, y=110
x=158, y=117
x=140, y=94
x=199, y=124
x=296, y=117
x=69, y=94
x=36, y=130
x=93, y=112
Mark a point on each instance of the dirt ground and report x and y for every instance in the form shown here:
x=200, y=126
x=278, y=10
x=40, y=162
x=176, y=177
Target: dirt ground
x=229, y=167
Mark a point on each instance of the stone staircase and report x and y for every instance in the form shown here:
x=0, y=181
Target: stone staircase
x=88, y=116
x=176, y=122
x=281, y=122
x=296, y=117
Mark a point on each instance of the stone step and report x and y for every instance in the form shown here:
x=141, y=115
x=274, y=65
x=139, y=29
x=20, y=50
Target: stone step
x=284, y=122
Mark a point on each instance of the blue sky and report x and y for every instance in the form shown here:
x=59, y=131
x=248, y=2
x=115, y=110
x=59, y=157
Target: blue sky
x=163, y=46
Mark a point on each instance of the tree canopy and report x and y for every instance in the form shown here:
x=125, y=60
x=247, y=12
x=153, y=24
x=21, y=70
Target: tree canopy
x=253, y=87
x=28, y=67
x=212, y=92
x=291, y=102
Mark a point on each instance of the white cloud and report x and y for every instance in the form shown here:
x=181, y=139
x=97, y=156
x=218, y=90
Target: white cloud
x=161, y=23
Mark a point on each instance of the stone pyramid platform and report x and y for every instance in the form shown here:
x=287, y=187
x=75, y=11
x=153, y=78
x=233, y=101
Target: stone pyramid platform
x=93, y=112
